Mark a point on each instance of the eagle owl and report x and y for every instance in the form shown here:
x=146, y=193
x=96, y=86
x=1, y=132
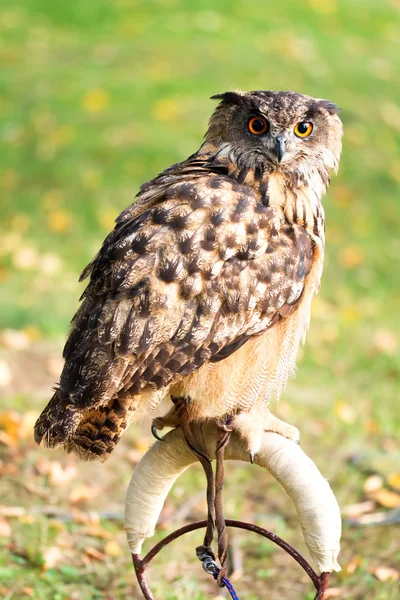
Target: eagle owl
x=203, y=289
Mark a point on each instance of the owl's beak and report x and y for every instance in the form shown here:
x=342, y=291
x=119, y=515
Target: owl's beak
x=280, y=147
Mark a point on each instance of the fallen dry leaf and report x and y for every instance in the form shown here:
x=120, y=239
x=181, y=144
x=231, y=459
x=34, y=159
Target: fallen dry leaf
x=134, y=456
x=12, y=511
x=352, y=565
x=96, y=531
x=81, y=494
x=373, y=483
x=60, y=475
x=25, y=258
x=87, y=518
x=14, y=339
x=52, y=557
x=5, y=528
x=333, y=593
x=28, y=591
x=385, y=342
x=55, y=365
x=357, y=509
x=386, y=574
x=5, y=374
x=95, y=554
x=385, y=498
x=7, y=440
x=27, y=423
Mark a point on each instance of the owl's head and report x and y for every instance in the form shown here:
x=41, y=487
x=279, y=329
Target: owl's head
x=282, y=131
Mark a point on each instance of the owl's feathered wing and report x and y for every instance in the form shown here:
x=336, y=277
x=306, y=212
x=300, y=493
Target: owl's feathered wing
x=193, y=269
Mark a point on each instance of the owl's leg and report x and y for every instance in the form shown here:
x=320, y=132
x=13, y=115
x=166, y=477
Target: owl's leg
x=252, y=426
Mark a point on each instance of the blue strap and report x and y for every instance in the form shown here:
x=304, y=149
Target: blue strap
x=228, y=585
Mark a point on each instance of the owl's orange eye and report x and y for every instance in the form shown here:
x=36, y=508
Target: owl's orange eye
x=258, y=125
x=303, y=129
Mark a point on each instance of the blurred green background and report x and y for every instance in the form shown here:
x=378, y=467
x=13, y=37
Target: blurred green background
x=97, y=97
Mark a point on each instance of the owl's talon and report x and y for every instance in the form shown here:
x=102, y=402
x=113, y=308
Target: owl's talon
x=154, y=431
x=251, y=455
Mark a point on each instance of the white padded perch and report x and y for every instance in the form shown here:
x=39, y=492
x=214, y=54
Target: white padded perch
x=315, y=503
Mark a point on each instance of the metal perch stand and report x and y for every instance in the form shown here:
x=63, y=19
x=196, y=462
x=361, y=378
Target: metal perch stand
x=320, y=581
x=314, y=501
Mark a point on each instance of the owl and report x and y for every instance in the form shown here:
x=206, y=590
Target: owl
x=202, y=291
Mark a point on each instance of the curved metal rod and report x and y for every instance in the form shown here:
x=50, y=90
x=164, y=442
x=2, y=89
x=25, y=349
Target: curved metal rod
x=320, y=582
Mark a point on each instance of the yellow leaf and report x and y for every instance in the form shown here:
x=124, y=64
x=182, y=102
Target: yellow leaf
x=343, y=195
x=393, y=480
x=372, y=426
x=351, y=257
x=166, y=109
x=63, y=135
x=52, y=199
x=33, y=332
x=107, y=218
x=59, y=221
x=327, y=7
x=112, y=548
x=394, y=170
x=9, y=424
x=350, y=314
x=20, y=223
x=91, y=178
x=9, y=179
x=344, y=412
x=95, y=100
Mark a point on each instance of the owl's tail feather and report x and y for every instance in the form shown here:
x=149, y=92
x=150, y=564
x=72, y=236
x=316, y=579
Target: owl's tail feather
x=94, y=433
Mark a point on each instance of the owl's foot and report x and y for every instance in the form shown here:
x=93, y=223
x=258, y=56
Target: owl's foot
x=251, y=427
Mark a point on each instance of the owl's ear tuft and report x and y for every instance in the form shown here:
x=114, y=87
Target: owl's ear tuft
x=229, y=97
x=329, y=106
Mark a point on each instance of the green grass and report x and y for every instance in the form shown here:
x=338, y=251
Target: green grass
x=97, y=97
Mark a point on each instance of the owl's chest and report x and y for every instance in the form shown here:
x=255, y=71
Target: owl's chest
x=256, y=372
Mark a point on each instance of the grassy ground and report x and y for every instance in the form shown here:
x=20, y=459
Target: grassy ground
x=97, y=97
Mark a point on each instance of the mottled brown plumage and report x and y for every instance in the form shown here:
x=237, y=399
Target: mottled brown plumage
x=203, y=288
